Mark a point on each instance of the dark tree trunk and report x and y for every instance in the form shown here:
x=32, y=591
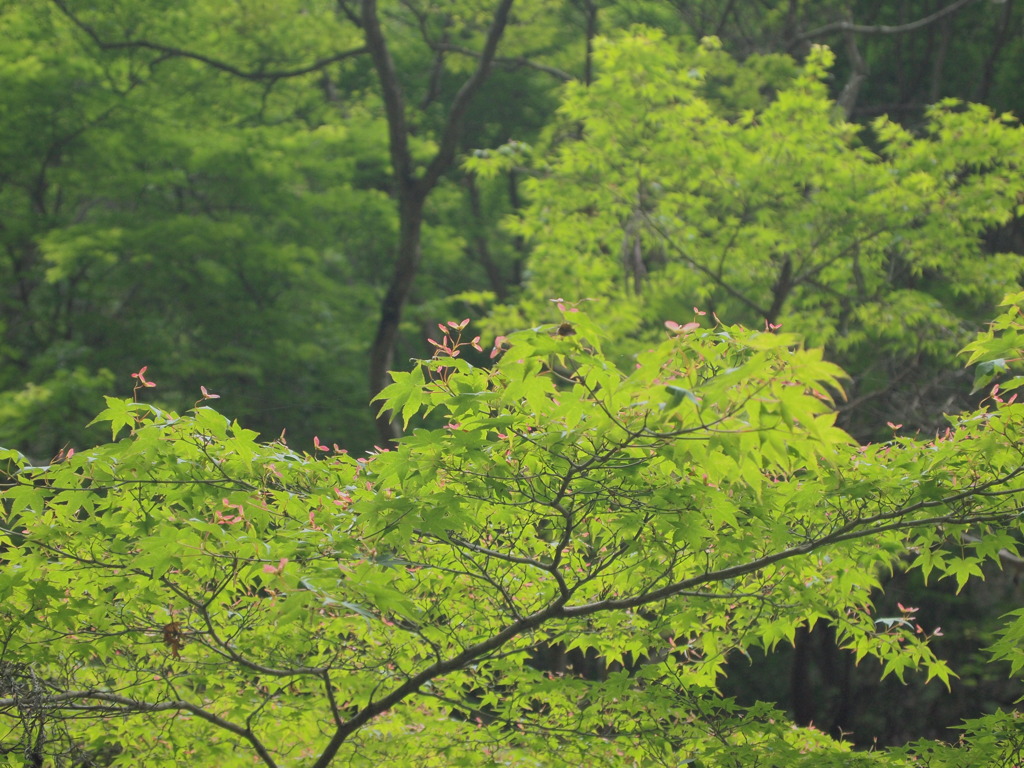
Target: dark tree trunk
x=411, y=188
x=382, y=352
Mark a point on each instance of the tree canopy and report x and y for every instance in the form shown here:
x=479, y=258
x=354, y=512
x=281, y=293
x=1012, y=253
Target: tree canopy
x=717, y=406
x=299, y=607
x=242, y=599
x=250, y=198
x=683, y=185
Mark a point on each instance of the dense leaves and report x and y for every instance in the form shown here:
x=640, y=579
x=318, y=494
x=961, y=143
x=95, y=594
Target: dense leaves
x=254, y=600
x=664, y=189
x=223, y=193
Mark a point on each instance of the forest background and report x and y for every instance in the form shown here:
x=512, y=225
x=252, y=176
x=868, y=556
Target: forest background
x=280, y=201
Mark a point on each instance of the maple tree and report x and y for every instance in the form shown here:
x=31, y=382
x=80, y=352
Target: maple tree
x=673, y=180
x=245, y=599
x=634, y=489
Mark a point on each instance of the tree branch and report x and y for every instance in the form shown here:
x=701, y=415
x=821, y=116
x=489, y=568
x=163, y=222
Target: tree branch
x=127, y=705
x=391, y=92
x=173, y=52
x=846, y=533
x=460, y=104
x=514, y=61
x=411, y=192
x=847, y=99
x=557, y=609
x=883, y=29
x=736, y=294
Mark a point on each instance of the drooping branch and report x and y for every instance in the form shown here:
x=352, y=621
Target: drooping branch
x=171, y=51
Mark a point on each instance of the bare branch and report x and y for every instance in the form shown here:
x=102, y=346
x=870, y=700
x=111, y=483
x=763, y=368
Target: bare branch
x=491, y=553
x=858, y=75
x=349, y=13
x=883, y=29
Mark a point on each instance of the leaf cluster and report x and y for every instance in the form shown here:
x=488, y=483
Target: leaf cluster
x=243, y=595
